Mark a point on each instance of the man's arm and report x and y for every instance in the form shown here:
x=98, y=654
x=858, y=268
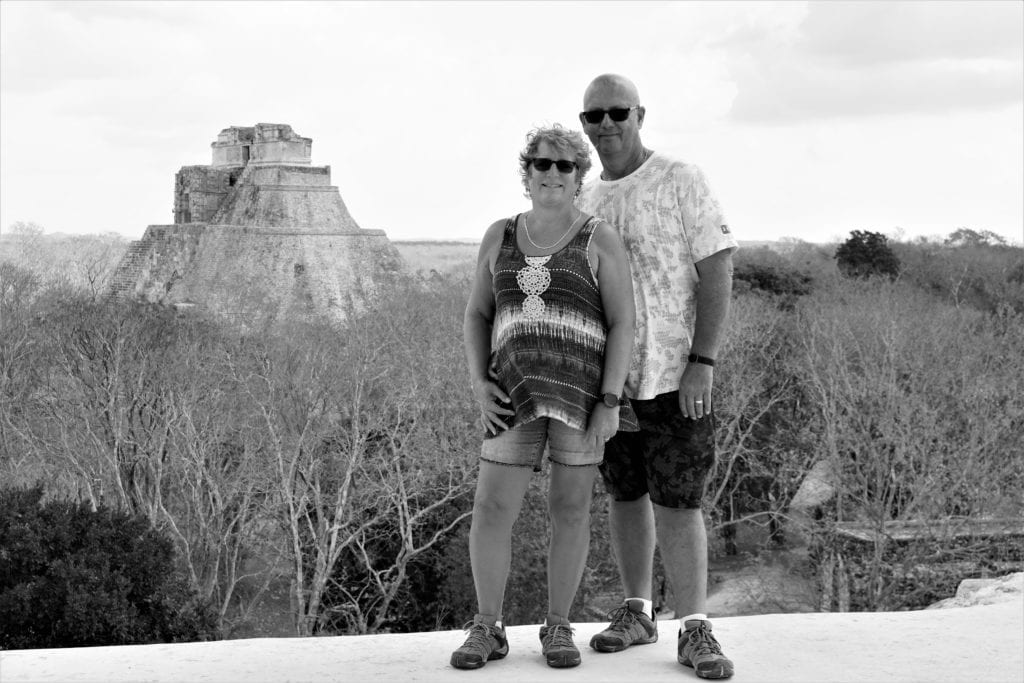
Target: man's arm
x=713, y=296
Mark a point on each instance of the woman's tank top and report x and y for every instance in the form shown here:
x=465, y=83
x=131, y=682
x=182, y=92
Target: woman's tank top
x=549, y=331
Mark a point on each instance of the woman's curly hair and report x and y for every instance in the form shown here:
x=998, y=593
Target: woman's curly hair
x=562, y=139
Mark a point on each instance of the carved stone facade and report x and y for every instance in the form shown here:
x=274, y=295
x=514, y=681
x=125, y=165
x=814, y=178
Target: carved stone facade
x=264, y=144
x=260, y=232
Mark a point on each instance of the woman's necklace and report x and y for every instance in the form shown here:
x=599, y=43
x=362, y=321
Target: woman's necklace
x=526, y=224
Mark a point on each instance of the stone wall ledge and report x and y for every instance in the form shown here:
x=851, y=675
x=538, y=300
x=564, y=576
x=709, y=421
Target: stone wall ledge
x=303, y=230
x=255, y=163
x=292, y=188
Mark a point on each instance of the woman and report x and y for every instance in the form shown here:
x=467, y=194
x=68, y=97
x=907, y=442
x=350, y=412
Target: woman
x=549, y=333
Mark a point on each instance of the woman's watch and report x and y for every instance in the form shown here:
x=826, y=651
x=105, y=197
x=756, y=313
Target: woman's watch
x=610, y=400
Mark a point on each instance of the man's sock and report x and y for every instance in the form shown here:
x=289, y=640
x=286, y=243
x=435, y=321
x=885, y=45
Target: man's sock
x=691, y=617
x=648, y=606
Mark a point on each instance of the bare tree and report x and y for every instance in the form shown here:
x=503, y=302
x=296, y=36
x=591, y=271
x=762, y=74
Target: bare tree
x=919, y=407
x=219, y=496
x=19, y=369
x=360, y=423
x=752, y=385
x=26, y=244
x=302, y=402
x=106, y=403
x=422, y=495
x=139, y=411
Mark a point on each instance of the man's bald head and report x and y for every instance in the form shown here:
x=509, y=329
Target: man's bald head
x=617, y=140
x=612, y=85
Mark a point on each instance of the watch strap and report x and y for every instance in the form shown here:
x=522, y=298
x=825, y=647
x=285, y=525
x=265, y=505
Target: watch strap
x=703, y=360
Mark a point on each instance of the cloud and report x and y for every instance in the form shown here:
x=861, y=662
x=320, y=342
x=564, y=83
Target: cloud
x=792, y=91
x=870, y=58
x=49, y=46
x=869, y=33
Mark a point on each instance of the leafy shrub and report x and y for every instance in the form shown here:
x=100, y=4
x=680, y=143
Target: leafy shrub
x=773, y=279
x=72, y=576
x=865, y=254
x=765, y=271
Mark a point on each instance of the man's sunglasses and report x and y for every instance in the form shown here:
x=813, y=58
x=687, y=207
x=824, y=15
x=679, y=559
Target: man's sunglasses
x=542, y=164
x=617, y=114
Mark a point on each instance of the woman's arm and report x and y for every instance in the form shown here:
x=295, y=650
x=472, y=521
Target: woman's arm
x=476, y=330
x=608, y=254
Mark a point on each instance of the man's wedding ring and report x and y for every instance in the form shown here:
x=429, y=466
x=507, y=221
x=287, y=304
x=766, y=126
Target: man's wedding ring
x=698, y=401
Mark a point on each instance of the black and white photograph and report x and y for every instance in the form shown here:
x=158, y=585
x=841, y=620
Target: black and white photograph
x=570, y=340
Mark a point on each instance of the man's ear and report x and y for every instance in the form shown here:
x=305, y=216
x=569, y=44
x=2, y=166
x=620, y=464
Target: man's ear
x=640, y=113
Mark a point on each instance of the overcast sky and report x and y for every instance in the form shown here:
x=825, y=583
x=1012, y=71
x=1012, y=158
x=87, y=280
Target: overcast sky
x=810, y=119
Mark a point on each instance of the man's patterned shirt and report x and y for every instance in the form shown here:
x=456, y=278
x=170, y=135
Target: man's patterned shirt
x=669, y=220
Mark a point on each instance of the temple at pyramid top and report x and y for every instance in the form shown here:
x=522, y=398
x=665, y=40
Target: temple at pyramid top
x=262, y=144
x=261, y=177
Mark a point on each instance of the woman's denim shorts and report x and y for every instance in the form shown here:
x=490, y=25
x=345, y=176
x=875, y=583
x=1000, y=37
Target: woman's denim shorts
x=523, y=445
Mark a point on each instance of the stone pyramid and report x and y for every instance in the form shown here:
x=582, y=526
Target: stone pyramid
x=258, y=233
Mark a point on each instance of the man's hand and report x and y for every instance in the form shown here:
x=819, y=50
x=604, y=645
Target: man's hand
x=713, y=295
x=695, y=390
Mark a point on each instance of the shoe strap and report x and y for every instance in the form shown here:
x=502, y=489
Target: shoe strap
x=480, y=633
x=559, y=634
x=621, y=617
x=703, y=640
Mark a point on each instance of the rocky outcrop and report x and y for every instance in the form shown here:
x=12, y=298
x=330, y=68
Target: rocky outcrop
x=972, y=592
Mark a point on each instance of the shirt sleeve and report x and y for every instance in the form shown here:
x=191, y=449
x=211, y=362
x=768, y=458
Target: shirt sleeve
x=707, y=230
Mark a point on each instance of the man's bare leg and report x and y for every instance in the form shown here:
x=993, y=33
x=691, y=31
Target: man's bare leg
x=632, y=536
x=683, y=540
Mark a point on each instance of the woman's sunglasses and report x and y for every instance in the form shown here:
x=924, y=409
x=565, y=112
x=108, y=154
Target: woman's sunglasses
x=542, y=164
x=617, y=114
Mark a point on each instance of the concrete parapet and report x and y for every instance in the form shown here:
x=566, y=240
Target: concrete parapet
x=980, y=643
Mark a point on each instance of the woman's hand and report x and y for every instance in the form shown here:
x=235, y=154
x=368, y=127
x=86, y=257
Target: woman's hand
x=488, y=395
x=603, y=424
x=476, y=328
x=616, y=283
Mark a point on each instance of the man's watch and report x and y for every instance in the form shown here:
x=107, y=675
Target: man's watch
x=703, y=360
x=610, y=400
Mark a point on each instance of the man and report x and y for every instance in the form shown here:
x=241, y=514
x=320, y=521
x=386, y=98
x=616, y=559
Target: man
x=680, y=251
